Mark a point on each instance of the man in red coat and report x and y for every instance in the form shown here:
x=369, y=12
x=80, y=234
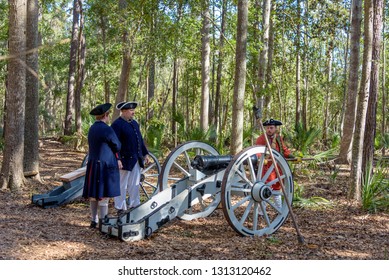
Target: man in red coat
x=277, y=143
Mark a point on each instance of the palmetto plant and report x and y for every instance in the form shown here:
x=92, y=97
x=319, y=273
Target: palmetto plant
x=302, y=139
x=375, y=192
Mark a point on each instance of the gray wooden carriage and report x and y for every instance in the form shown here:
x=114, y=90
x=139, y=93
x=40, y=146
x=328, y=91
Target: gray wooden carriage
x=195, y=179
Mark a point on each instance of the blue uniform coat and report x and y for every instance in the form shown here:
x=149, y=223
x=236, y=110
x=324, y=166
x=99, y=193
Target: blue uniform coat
x=133, y=147
x=102, y=177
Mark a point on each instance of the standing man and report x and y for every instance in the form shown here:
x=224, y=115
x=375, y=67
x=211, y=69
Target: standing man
x=277, y=143
x=132, y=155
x=102, y=178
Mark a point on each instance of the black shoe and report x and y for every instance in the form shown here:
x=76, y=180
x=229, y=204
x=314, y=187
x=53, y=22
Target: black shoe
x=93, y=224
x=120, y=212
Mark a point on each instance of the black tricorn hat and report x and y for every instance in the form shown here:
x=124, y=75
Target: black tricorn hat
x=126, y=105
x=272, y=122
x=100, y=109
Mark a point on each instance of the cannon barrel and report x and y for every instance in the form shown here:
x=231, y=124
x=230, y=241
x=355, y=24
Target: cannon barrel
x=211, y=164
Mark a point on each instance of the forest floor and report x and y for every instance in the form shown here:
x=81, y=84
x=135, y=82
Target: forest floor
x=339, y=231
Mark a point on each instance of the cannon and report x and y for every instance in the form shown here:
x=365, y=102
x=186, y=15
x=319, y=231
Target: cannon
x=73, y=183
x=195, y=179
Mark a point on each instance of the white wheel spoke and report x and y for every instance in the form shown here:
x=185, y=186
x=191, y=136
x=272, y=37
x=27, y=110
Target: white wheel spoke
x=251, y=168
x=239, y=203
x=181, y=168
x=187, y=159
x=246, y=212
x=255, y=216
x=244, y=178
x=275, y=180
x=267, y=174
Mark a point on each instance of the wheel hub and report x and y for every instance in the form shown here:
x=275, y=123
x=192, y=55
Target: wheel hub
x=261, y=191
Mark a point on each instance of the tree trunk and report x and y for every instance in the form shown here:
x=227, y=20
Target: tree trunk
x=12, y=166
x=31, y=131
x=240, y=78
x=205, y=68
x=80, y=71
x=174, y=102
x=72, y=69
x=151, y=87
x=219, y=71
x=126, y=64
x=269, y=73
x=298, y=66
x=328, y=89
x=263, y=55
x=103, y=25
x=384, y=90
x=124, y=75
x=345, y=69
x=305, y=95
x=371, y=119
x=355, y=190
x=352, y=84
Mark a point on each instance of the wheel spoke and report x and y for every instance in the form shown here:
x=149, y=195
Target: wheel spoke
x=246, y=213
x=255, y=216
x=268, y=172
x=275, y=180
x=239, y=203
x=181, y=168
x=187, y=159
x=241, y=175
x=148, y=168
x=149, y=184
x=251, y=168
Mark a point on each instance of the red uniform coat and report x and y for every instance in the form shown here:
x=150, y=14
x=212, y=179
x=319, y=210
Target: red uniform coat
x=277, y=144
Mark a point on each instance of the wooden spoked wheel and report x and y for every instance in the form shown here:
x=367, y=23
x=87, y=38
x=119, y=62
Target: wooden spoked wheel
x=177, y=167
x=250, y=203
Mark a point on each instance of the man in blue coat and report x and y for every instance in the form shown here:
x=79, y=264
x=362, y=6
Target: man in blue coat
x=102, y=179
x=133, y=155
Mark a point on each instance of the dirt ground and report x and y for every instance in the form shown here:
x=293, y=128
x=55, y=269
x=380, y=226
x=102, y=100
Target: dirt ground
x=342, y=231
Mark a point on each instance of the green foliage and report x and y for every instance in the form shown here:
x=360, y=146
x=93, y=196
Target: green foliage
x=381, y=141
x=302, y=139
x=154, y=136
x=312, y=202
x=375, y=192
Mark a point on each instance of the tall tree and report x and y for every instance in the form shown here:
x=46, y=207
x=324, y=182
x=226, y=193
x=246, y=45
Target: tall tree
x=220, y=64
x=355, y=190
x=31, y=131
x=384, y=89
x=371, y=117
x=263, y=54
x=205, y=67
x=352, y=83
x=328, y=85
x=72, y=69
x=12, y=167
x=126, y=60
x=240, y=78
x=298, y=65
x=80, y=70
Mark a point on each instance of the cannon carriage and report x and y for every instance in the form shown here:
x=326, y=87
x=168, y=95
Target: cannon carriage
x=195, y=180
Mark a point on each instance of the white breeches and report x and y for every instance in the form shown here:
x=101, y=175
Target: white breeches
x=129, y=183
